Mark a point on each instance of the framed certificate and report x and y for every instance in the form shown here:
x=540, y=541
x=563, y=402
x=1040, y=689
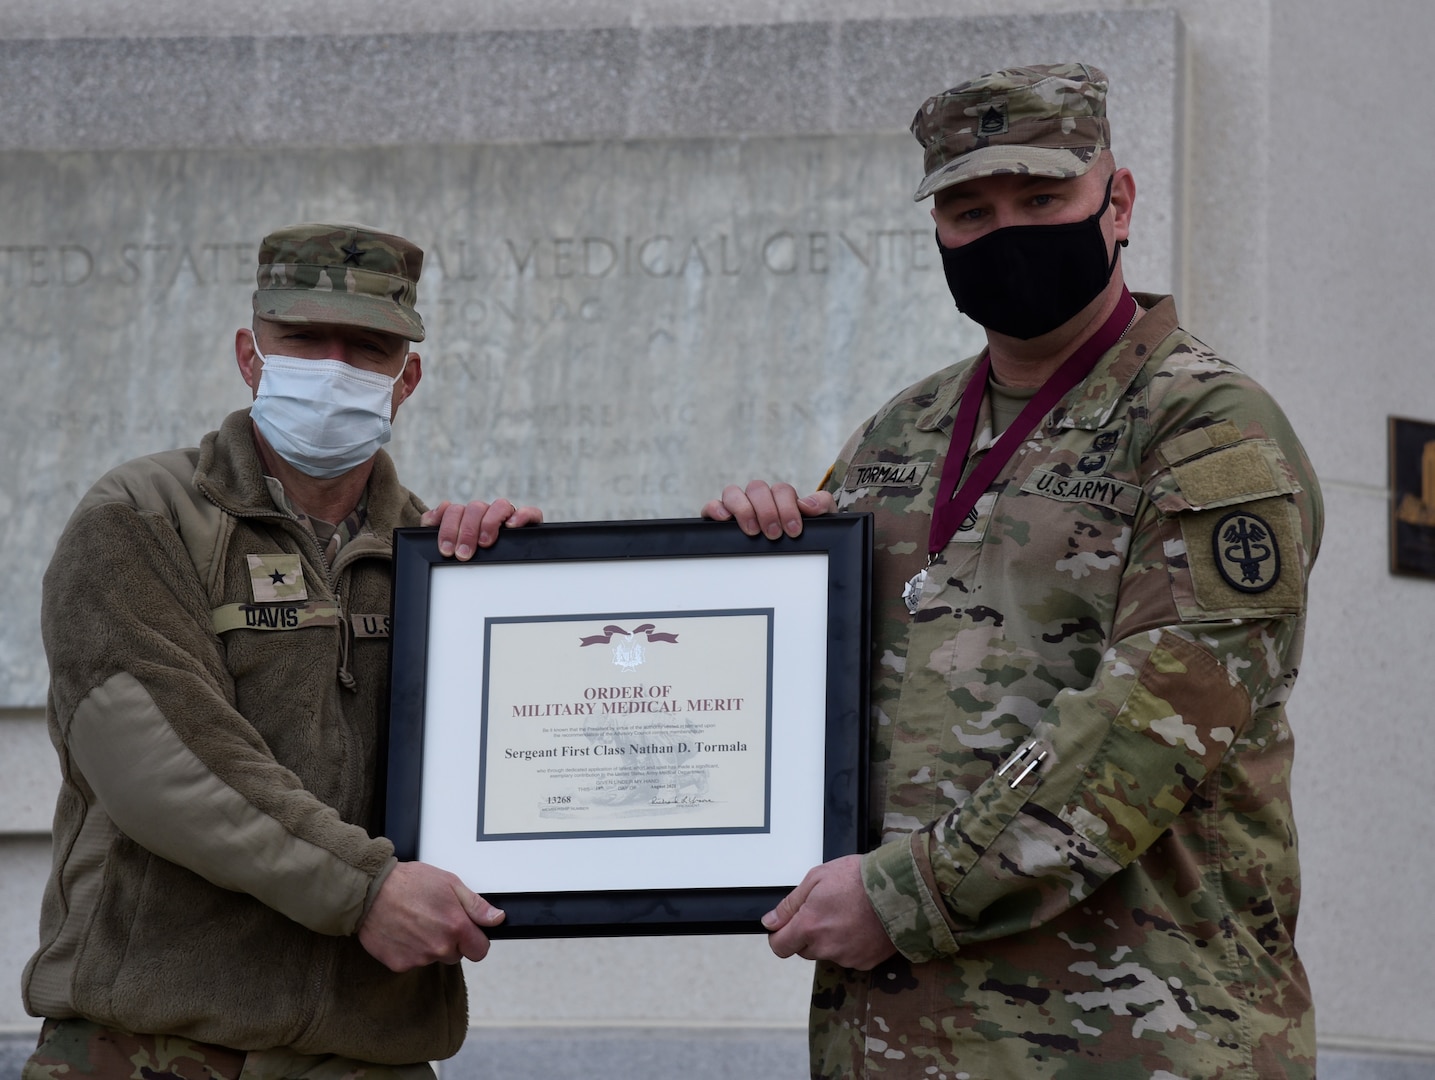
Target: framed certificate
x=631, y=727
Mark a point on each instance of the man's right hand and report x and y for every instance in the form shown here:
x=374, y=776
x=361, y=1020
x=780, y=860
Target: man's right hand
x=423, y=914
x=769, y=509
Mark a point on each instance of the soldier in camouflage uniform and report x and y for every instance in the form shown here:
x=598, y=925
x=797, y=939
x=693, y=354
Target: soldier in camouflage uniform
x=1085, y=859
x=216, y=626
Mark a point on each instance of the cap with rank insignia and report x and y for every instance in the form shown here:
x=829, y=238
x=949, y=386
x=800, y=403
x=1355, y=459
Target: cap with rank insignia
x=346, y=275
x=1048, y=120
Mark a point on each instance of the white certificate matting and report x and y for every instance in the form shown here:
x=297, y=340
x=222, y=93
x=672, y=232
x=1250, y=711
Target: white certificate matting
x=672, y=740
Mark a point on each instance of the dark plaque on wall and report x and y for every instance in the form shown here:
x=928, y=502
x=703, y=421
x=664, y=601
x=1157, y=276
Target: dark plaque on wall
x=1412, y=504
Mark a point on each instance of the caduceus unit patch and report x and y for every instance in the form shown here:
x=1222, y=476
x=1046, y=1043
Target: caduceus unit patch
x=1246, y=551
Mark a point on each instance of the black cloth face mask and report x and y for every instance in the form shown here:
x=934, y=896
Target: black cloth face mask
x=1026, y=280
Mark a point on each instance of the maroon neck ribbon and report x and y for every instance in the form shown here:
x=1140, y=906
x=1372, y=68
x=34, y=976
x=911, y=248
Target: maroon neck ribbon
x=954, y=505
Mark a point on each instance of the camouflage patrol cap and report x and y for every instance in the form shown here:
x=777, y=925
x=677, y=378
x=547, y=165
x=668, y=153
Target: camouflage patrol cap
x=1043, y=121
x=347, y=275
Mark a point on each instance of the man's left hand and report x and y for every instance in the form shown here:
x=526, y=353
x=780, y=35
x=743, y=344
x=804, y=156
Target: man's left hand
x=828, y=917
x=465, y=527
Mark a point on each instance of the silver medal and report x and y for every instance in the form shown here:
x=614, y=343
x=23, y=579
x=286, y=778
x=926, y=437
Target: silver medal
x=912, y=594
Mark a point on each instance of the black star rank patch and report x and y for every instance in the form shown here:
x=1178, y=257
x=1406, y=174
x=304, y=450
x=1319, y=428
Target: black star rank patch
x=276, y=577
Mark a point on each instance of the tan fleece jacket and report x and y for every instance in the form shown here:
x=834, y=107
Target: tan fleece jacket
x=215, y=845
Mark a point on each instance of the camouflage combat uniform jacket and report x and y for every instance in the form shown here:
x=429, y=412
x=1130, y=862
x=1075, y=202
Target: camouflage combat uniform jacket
x=1128, y=596
x=216, y=696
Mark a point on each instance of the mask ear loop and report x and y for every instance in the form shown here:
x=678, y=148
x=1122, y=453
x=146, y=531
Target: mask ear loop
x=1116, y=250
x=263, y=360
x=1115, y=254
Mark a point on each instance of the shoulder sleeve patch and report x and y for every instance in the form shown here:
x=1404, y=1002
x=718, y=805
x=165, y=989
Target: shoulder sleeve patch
x=1247, y=553
x=1246, y=560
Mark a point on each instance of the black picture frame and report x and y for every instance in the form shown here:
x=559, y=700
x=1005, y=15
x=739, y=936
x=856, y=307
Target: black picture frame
x=431, y=673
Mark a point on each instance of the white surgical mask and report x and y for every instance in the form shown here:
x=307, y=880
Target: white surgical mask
x=324, y=417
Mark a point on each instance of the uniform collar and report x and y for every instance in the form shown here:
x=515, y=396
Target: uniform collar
x=230, y=473
x=1090, y=405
